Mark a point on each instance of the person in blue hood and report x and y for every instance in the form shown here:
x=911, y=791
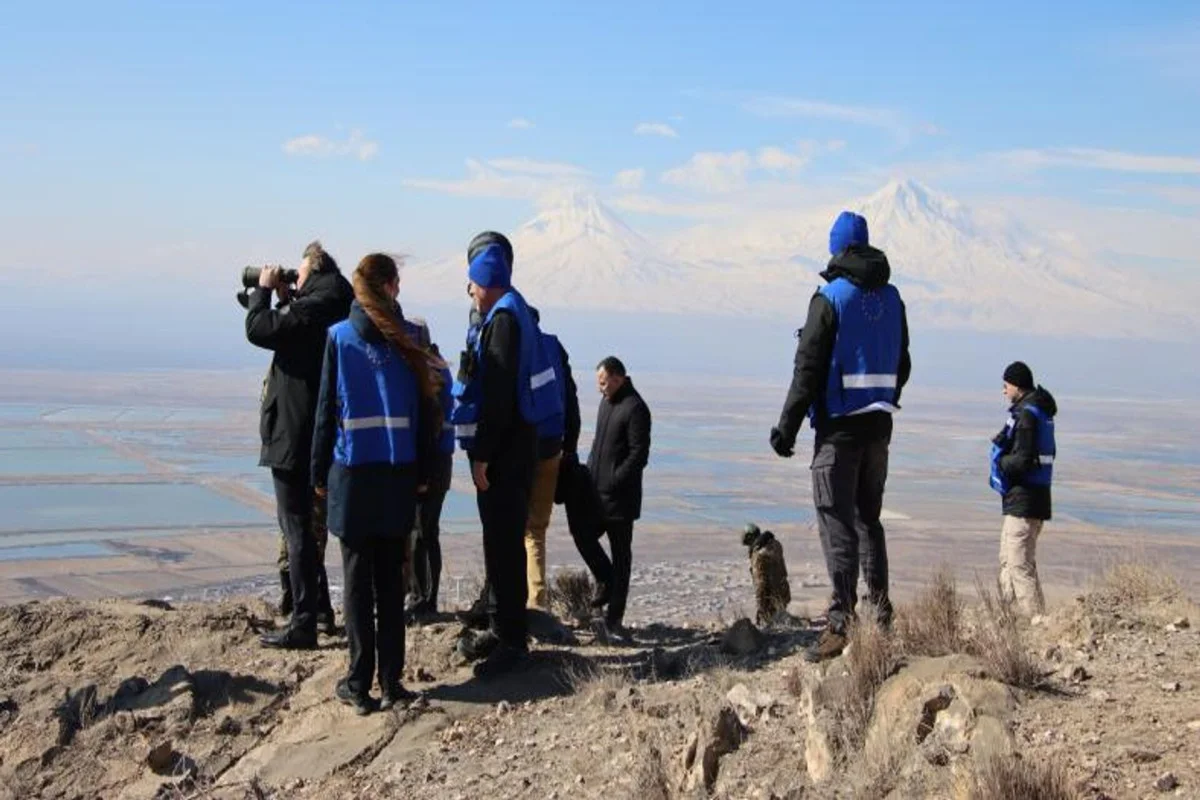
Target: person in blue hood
x=1022, y=469
x=851, y=364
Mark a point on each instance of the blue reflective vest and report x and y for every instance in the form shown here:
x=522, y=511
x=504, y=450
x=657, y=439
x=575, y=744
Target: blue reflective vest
x=863, y=372
x=378, y=402
x=1043, y=473
x=555, y=426
x=539, y=397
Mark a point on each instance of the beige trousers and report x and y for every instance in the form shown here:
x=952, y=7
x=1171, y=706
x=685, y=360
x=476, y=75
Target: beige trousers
x=541, y=505
x=1018, y=564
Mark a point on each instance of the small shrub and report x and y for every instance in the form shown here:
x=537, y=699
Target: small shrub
x=1010, y=777
x=932, y=624
x=1138, y=582
x=998, y=640
x=871, y=659
x=650, y=779
x=571, y=594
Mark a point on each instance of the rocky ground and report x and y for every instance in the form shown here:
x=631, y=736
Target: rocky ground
x=124, y=699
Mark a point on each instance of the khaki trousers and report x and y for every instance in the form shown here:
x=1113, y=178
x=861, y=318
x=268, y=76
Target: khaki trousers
x=541, y=505
x=1018, y=564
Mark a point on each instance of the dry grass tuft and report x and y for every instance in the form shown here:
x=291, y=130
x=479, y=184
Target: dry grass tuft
x=650, y=779
x=871, y=658
x=932, y=625
x=1010, y=777
x=1139, y=582
x=571, y=593
x=998, y=640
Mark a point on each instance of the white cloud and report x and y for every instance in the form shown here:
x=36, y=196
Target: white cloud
x=356, y=146
x=529, y=166
x=514, y=178
x=776, y=159
x=655, y=129
x=711, y=172
x=630, y=178
x=885, y=119
x=1098, y=159
x=520, y=124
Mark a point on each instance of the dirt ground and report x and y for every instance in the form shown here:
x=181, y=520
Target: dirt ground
x=142, y=699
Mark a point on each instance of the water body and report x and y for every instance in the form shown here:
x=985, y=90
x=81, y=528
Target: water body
x=1123, y=466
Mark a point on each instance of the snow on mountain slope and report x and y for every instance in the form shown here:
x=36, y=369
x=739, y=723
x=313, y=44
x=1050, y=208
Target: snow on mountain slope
x=956, y=267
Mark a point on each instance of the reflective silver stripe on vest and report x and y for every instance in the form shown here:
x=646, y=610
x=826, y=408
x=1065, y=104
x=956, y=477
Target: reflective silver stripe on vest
x=868, y=381
x=1046, y=461
x=465, y=431
x=362, y=423
x=542, y=378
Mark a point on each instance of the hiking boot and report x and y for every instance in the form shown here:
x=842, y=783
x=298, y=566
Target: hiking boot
x=611, y=634
x=290, y=639
x=474, y=646
x=502, y=660
x=396, y=696
x=601, y=596
x=422, y=613
x=285, y=600
x=361, y=702
x=326, y=623
x=476, y=616
x=830, y=645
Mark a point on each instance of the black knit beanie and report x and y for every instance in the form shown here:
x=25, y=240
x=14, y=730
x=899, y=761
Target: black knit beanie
x=1019, y=375
x=486, y=238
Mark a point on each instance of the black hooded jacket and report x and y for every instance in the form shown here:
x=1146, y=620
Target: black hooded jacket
x=1021, y=458
x=867, y=268
x=296, y=333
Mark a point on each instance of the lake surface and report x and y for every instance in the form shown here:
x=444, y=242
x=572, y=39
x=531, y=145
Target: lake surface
x=73, y=476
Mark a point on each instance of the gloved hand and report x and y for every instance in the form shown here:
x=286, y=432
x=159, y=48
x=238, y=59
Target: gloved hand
x=782, y=448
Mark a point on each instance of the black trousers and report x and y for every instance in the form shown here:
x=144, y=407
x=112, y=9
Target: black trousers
x=373, y=570
x=613, y=573
x=294, y=507
x=427, y=546
x=503, y=510
x=848, y=484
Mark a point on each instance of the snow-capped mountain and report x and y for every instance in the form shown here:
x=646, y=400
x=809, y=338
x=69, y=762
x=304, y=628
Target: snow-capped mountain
x=956, y=267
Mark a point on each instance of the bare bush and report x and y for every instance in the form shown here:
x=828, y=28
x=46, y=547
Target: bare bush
x=932, y=624
x=1139, y=582
x=871, y=659
x=998, y=640
x=1010, y=777
x=571, y=594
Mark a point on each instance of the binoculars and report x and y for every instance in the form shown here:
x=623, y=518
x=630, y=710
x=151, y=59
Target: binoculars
x=250, y=276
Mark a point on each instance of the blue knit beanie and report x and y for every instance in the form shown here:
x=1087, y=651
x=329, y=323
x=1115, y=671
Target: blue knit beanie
x=848, y=229
x=490, y=268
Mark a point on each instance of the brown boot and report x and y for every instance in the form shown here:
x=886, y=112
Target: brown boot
x=830, y=645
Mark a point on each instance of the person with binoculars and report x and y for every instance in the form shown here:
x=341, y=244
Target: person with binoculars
x=295, y=331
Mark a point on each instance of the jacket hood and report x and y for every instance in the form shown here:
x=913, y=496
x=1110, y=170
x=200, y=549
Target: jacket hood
x=327, y=285
x=363, y=324
x=1042, y=399
x=861, y=264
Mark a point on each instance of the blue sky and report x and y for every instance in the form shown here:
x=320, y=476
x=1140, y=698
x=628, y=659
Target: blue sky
x=137, y=134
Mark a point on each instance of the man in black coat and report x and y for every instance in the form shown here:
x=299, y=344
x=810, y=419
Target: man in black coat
x=295, y=332
x=851, y=364
x=620, y=452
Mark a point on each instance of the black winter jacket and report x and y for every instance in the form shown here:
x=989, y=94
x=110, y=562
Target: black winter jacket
x=1026, y=502
x=867, y=268
x=296, y=333
x=620, y=453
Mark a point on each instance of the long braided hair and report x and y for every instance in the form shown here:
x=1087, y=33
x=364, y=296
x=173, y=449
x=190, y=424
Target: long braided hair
x=371, y=278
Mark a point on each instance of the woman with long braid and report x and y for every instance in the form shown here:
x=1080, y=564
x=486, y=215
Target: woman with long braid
x=378, y=418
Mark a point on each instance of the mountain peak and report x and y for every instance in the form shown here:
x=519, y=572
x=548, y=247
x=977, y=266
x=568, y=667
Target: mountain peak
x=573, y=212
